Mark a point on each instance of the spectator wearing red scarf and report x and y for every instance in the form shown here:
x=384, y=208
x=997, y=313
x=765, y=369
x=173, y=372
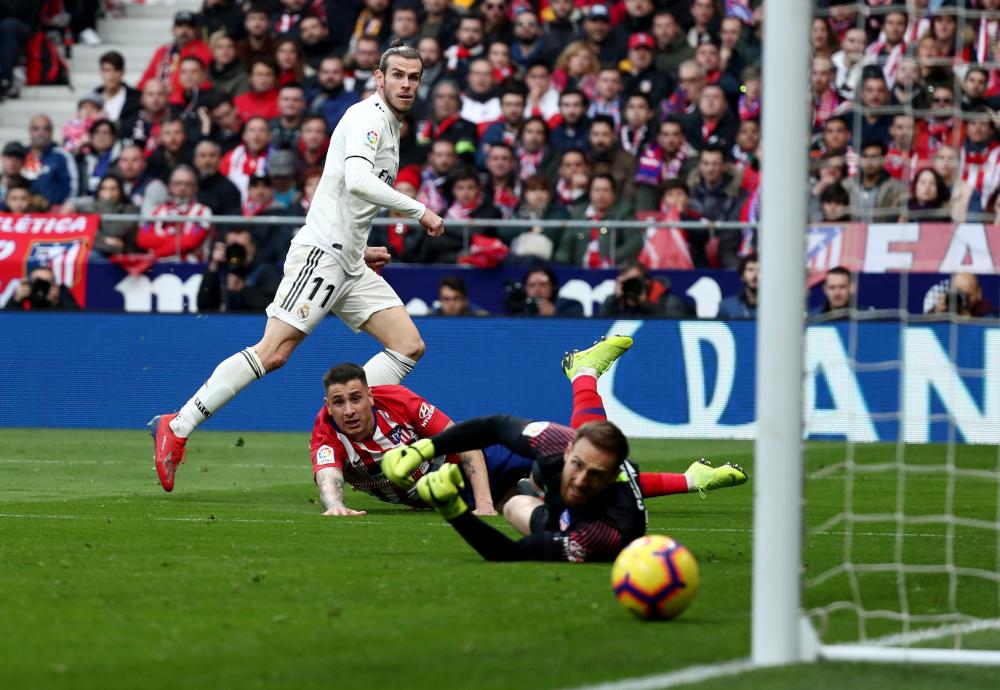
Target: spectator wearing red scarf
x=503, y=188
x=446, y=123
x=669, y=157
x=314, y=141
x=165, y=61
x=249, y=159
x=598, y=246
x=825, y=99
x=712, y=122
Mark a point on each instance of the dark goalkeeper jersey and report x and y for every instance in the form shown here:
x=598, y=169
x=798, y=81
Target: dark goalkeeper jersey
x=596, y=532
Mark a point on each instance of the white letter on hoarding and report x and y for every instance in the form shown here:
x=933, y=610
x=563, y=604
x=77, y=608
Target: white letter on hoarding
x=825, y=354
x=968, y=240
x=705, y=414
x=191, y=287
x=928, y=366
x=706, y=295
x=169, y=292
x=135, y=292
x=582, y=292
x=878, y=257
x=703, y=421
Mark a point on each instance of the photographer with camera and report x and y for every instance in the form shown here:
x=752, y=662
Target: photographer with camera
x=233, y=280
x=639, y=294
x=41, y=291
x=964, y=297
x=538, y=295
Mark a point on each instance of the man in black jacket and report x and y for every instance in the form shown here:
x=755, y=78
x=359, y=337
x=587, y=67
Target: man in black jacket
x=121, y=101
x=41, y=290
x=233, y=280
x=214, y=189
x=711, y=122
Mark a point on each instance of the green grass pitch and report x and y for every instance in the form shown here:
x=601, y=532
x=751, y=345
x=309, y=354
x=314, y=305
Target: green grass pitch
x=236, y=581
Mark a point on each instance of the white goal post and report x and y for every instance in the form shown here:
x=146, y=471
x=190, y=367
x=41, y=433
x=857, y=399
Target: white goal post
x=781, y=633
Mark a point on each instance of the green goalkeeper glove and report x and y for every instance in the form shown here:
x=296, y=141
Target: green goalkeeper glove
x=440, y=490
x=398, y=463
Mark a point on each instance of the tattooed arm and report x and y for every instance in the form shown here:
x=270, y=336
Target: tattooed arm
x=474, y=466
x=330, y=481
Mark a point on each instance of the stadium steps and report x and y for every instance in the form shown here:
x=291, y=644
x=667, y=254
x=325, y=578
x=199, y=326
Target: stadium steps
x=136, y=35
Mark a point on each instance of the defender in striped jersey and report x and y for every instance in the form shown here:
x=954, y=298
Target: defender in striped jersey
x=358, y=424
x=593, y=503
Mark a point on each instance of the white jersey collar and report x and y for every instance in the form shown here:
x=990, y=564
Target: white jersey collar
x=387, y=113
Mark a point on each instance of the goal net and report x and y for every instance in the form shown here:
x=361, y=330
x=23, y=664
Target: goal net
x=902, y=545
x=901, y=554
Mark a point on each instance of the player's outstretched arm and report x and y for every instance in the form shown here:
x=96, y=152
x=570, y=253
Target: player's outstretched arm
x=481, y=432
x=441, y=491
x=330, y=481
x=472, y=434
x=360, y=179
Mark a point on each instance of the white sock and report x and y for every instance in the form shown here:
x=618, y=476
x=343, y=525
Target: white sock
x=388, y=367
x=228, y=379
x=585, y=371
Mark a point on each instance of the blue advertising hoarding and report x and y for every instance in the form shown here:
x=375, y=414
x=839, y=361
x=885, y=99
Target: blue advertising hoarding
x=868, y=381
x=173, y=288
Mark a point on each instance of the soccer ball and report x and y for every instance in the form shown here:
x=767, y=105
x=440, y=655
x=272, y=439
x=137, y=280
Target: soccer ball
x=655, y=577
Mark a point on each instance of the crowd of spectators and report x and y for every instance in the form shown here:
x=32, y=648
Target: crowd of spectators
x=595, y=110
x=544, y=110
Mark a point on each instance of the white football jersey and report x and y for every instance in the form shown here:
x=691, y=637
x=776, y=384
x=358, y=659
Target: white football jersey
x=338, y=222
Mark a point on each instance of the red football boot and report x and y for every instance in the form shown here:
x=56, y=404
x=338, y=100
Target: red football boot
x=168, y=449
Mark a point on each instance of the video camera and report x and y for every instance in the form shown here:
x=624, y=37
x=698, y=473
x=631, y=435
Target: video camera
x=39, y=296
x=958, y=302
x=236, y=260
x=516, y=300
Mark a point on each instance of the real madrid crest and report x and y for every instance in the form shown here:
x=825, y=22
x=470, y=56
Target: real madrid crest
x=303, y=312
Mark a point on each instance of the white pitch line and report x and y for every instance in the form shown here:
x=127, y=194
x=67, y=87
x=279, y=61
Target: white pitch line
x=254, y=465
x=685, y=676
x=724, y=530
x=275, y=521
x=28, y=516
x=927, y=634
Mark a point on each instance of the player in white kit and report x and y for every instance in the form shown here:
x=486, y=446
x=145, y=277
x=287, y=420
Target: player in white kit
x=329, y=266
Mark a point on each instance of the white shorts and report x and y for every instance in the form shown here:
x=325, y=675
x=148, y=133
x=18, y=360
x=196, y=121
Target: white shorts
x=315, y=284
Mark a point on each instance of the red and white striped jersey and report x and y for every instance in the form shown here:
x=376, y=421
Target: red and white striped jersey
x=239, y=165
x=980, y=168
x=401, y=416
x=178, y=241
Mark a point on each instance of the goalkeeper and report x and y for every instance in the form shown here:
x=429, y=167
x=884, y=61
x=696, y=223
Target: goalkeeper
x=593, y=495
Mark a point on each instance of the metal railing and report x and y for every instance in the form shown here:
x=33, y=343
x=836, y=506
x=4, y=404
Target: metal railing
x=471, y=222
x=468, y=226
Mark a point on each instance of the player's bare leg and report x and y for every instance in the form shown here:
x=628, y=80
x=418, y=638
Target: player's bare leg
x=170, y=432
x=394, y=328
x=518, y=512
x=278, y=343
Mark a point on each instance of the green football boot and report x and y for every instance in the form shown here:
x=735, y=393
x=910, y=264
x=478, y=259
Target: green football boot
x=598, y=356
x=708, y=478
